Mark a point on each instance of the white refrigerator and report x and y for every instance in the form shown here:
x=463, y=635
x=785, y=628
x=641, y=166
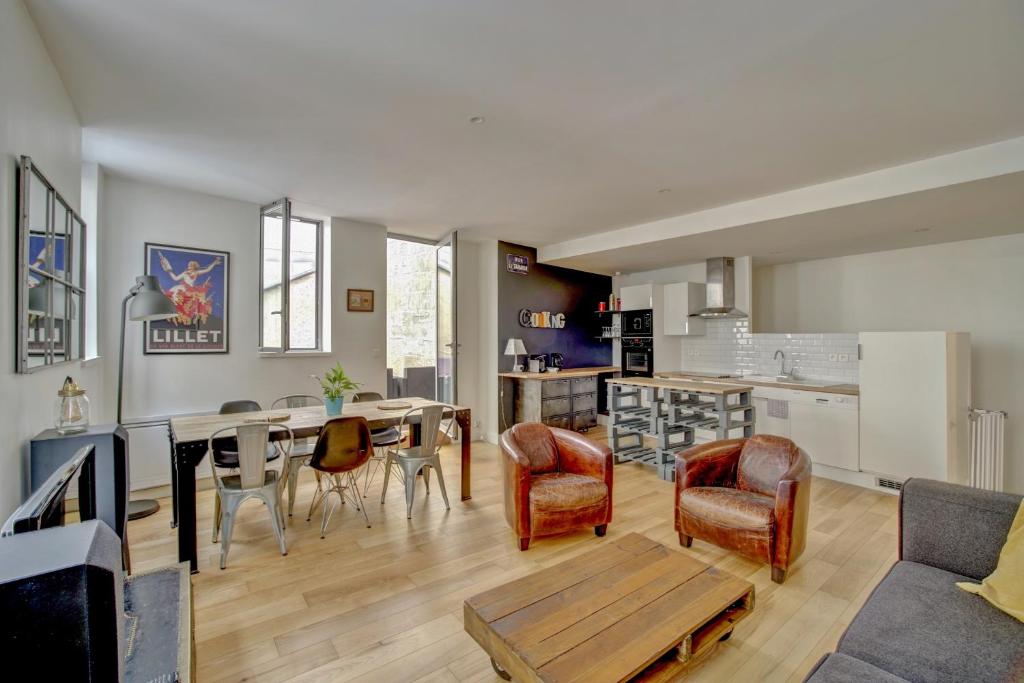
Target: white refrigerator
x=915, y=393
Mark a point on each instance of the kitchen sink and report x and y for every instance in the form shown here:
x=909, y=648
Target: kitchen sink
x=788, y=380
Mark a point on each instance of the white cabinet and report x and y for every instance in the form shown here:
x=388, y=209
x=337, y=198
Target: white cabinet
x=768, y=424
x=827, y=428
x=682, y=299
x=637, y=297
x=915, y=388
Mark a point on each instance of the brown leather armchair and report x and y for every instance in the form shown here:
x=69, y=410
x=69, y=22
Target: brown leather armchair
x=555, y=480
x=748, y=495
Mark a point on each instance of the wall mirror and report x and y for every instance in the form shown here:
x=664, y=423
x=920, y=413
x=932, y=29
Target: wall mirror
x=51, y=274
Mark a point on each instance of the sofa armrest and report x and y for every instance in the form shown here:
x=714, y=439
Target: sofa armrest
x=952, y=527
x=792, y=508
x=515, y=470
x=579, y=455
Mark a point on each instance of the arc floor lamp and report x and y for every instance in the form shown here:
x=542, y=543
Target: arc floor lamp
x=145, y=301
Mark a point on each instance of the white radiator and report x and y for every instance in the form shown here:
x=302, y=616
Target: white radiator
x=988, y=429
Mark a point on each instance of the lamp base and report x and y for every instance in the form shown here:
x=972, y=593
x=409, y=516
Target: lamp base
x=137, y=509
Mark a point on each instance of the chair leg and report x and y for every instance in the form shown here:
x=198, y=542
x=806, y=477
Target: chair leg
x=410, y=493
x=524, y=543
x=601, y=529
x=274, y=506
x=684, y=540
x=328, y=511
x=216, y=515
x=294, y=465
x=440, y=480
x=387, y=478
x=229, y=510
x=778, y=574
x=354, y=492
x=426, y=478
x=318, y=495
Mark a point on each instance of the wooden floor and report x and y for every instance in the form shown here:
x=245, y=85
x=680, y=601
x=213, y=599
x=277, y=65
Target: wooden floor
x=385, y=604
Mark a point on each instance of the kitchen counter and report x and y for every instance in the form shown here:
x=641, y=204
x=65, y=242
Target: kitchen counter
x=563, y=374
x=683, y=384
x=845, y=389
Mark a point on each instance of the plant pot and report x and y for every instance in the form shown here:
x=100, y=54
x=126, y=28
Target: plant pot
x=334, y=405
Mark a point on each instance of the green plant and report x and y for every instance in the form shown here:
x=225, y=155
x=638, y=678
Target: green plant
x=335, y=383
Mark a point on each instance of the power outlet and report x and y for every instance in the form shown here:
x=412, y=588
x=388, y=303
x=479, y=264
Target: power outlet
x=833, y=357
x=844, y=357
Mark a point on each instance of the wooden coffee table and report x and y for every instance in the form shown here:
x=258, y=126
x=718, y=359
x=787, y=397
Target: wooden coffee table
x=629, y=608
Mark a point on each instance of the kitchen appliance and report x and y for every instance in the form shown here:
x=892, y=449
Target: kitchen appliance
x=538, y=362
x=637, y=357
x=556, y=362
x=721, y=290
x=637, y=323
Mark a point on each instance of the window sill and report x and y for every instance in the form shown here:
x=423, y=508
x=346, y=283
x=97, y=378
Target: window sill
x=294, y=354
x=90, y=362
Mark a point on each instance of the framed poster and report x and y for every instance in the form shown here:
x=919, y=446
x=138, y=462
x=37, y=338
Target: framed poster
x=360, y=300
x=196, y=281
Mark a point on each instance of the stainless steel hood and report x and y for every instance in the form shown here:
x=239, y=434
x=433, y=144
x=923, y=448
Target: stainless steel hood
x=721, y=290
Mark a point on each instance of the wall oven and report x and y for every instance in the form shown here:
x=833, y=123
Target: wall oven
x=637, y=357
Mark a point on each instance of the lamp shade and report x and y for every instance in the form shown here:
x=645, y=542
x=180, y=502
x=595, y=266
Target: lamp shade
x=515, y=347
x=149, y=303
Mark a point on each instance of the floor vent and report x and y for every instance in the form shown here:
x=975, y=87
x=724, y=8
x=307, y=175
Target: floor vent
x=889, y=484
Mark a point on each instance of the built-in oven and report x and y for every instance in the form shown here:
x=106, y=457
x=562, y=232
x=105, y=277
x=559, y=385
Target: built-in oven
x=637, y=357
x=637, y=323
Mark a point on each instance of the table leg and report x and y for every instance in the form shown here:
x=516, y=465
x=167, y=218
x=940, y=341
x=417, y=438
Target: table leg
x=174, y=490
x=465, y=422
x=185, y=483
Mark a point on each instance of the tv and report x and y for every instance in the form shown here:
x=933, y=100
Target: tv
x=47, y=506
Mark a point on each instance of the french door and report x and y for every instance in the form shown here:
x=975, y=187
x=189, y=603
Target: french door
x=446, y=252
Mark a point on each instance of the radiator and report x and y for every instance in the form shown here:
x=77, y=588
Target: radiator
x=988, y=429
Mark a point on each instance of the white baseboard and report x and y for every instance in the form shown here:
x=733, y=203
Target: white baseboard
x=862, y=479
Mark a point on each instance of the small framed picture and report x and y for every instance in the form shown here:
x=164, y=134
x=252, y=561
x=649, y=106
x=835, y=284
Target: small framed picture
x=360, y=300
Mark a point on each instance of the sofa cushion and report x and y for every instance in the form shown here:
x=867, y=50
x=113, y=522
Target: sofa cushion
x=537, y=443
x=839, y=668
x=728, y=507
x=563, y=491
x=918, y=625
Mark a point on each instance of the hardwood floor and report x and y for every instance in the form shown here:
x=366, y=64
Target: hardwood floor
x=385, y=603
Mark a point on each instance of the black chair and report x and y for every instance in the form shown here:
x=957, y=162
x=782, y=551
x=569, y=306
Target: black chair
x=382, y=439
x=227, y=457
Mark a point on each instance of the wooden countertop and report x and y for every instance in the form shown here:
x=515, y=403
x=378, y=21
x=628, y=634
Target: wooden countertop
x=697, y=387
x=845, y=389
x=569, y=372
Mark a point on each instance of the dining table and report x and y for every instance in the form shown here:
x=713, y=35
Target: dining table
x=190, y=436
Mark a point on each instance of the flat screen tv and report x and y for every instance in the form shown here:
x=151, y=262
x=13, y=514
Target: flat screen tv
x=46, y=507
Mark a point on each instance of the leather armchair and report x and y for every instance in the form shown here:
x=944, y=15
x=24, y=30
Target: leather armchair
x=554, y=480
x=748, y=495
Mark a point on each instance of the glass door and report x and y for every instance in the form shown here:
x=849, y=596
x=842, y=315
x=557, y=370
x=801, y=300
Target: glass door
x=447, y=340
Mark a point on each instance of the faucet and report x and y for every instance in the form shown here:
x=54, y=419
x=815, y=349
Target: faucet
x=779, y=353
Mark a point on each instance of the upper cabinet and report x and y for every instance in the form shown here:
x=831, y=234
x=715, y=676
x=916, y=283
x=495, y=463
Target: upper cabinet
x=637, y=297
x=681, y=299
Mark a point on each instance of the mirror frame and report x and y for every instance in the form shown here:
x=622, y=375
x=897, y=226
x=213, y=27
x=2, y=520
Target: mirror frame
x=74, y=252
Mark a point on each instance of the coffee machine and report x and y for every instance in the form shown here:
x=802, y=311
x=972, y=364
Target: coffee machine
x=537, y=363
x=556, y=362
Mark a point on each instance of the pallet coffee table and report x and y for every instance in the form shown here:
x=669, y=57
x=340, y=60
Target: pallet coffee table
x=629, y=608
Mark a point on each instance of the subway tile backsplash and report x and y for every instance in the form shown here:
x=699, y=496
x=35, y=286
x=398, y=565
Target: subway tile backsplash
x=729, y=346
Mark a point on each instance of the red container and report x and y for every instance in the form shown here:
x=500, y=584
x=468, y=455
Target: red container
x=601, y=306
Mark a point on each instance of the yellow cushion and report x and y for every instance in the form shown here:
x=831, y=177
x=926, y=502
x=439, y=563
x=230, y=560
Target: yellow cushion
x=1004, y=587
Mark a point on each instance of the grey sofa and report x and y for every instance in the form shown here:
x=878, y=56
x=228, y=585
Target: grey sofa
x=917, y=625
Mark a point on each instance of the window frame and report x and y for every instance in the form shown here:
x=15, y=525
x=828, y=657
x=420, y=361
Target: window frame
x=283, y=205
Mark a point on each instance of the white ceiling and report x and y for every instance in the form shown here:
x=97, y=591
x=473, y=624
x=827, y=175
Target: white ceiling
x=591, y=106
x=982, y=208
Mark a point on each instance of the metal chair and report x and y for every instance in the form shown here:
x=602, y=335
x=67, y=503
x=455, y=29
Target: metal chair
x=425, y=457
x=254, y=480
x=343, y=447
x=226, y=455
x=303, y=448
x=383, y=438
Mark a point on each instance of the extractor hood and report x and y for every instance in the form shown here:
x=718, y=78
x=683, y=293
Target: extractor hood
x=721, y=290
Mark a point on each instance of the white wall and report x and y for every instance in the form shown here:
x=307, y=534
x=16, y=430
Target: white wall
x=486, y=321
x=136, y=212
x=974, y=286
x=38, y=120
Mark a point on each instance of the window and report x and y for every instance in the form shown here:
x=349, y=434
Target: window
x=51, y=282
x=291, y=315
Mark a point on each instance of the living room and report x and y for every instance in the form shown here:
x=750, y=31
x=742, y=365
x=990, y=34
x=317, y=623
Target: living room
x=717, y=343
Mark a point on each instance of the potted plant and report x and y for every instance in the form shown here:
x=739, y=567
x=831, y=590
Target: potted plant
x=335, y=383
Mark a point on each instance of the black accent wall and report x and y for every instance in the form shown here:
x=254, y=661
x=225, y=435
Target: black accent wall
x=558, y=290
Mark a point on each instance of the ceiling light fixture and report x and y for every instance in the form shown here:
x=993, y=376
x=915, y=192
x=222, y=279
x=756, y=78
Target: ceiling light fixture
x=665, y=190
x=476, y=119
x=922, y=230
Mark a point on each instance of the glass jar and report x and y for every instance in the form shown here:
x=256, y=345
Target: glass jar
x=71, y=411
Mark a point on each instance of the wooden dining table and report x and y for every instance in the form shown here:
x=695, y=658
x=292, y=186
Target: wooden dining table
x=190, y=437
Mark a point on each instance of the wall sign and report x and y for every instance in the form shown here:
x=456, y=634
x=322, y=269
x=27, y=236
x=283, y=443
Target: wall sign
x=196, y=281
x=541, y=319
x=517, y=263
